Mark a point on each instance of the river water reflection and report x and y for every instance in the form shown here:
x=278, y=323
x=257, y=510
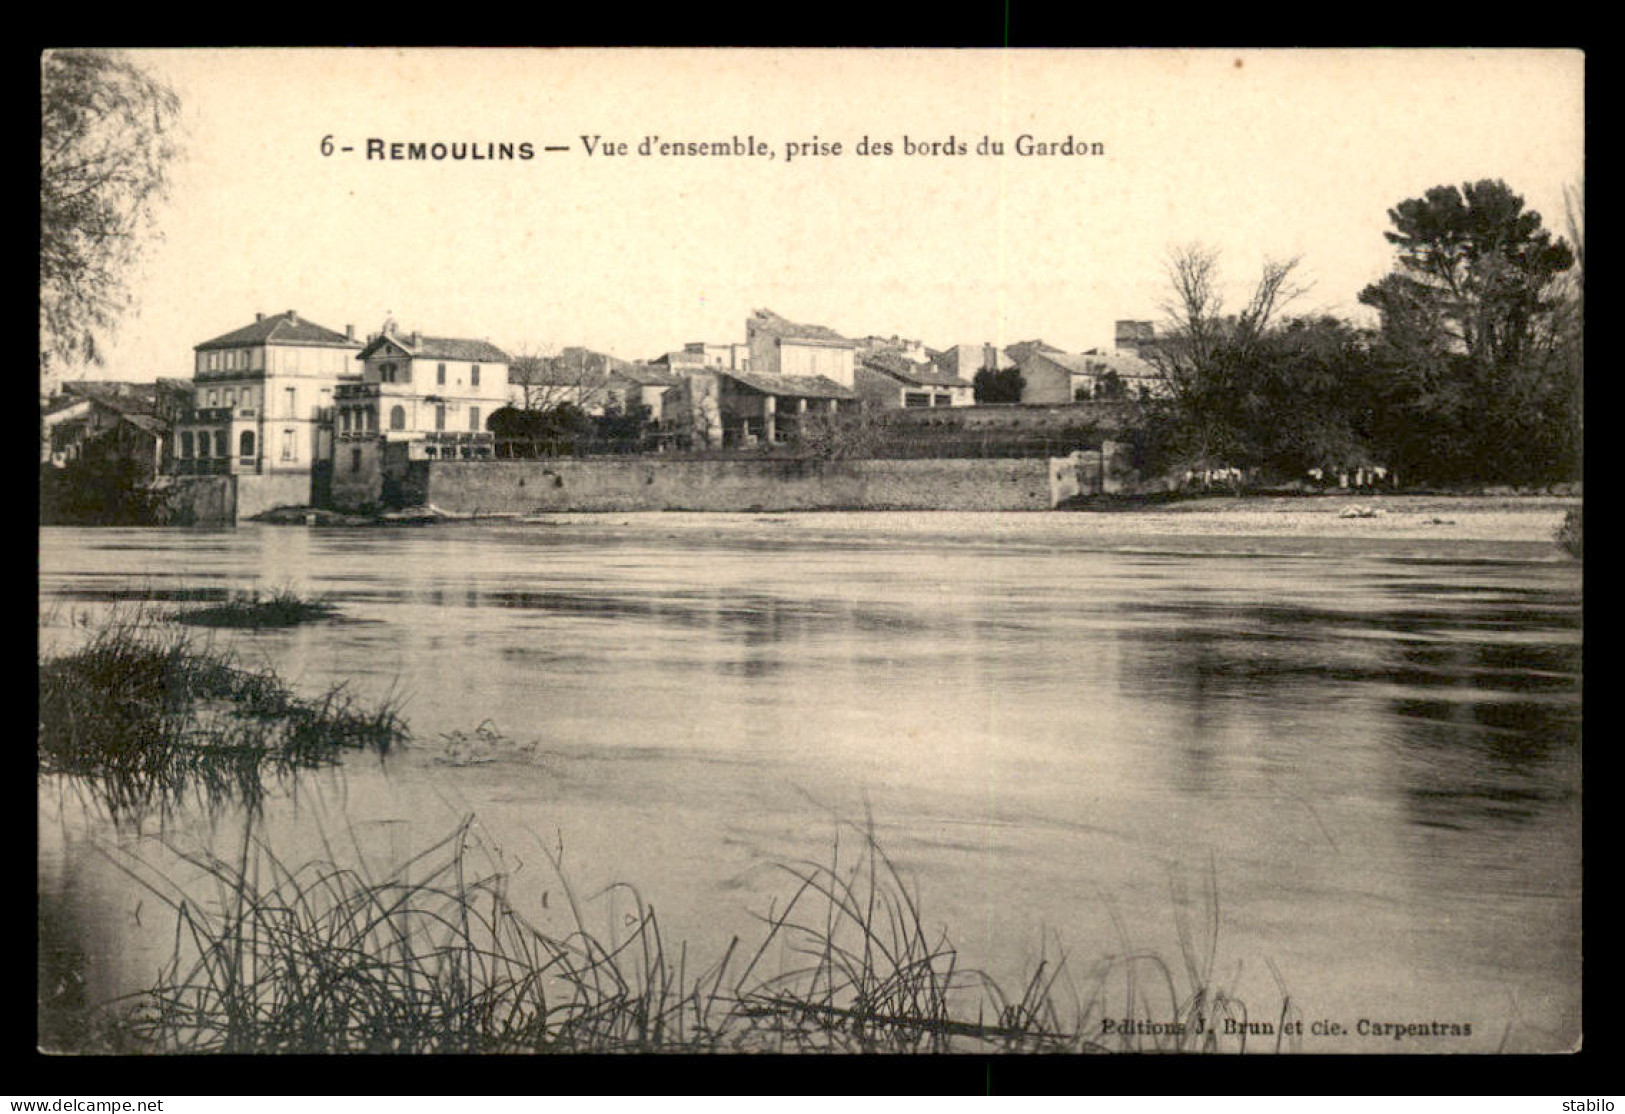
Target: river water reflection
x=1372, y=748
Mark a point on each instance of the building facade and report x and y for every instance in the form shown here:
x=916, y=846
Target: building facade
x=417, y=397
x=262, y=409
x=782, y=347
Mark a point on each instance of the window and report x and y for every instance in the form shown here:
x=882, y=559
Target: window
x=474, y=418
x=203, y=444
x=344, y=420
x=288, y=445
x=231, y=397
x=245, y=443
x=440, y=375
x=397, y=417
x=220, y=443
x=916, y=399
x=474, y=376
x=288, y=397
x=186, y=444
x=386, y=372
x=214, y=397
x=440, y=415
x=355, y=460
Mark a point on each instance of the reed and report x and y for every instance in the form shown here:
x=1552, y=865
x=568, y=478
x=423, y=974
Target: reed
x=145, y=715
x=434, y=956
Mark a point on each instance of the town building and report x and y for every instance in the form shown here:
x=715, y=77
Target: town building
x=418, y=398
x=262, y=410
x=963, y=361
x=107, y=421
x=784, y=348
x=889, y=380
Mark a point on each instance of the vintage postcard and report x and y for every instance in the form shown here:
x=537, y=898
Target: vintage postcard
x=728, y=551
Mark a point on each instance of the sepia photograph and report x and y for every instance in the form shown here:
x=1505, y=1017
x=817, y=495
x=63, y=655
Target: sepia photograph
x=738, y=551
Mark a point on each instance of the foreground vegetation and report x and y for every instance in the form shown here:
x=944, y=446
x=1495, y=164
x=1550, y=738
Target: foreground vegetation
x=146, y=715
x=435, y=956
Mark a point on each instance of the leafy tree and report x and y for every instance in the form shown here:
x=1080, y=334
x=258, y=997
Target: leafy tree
x=999, y=386
x=1473, y=329
x=107, y=138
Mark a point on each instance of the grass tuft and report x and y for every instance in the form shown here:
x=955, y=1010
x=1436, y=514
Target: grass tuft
x=255, y=611
x=144, y=716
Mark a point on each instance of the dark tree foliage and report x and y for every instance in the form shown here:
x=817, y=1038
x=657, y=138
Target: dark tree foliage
x=626, y=426
x=1476, y=339
x=999, y=386
x=107, y=135
x=99, y=491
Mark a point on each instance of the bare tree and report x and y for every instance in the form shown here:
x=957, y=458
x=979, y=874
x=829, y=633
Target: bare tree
x=107, y=136
x=530, y=371
x=1197, y=327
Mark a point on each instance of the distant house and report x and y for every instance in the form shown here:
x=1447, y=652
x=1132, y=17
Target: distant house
x=782, y=347
x=714, y=357
x=963, y=361
x=419, y=398
x=642, y=385
x=106, y=421
x=262, y=409
x=757, y=407
x=1049, y=375
x=889, y=380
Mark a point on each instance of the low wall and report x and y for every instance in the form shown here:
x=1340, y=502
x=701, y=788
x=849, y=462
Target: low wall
x=197, y=500
x=529, y=487
x=256, y=494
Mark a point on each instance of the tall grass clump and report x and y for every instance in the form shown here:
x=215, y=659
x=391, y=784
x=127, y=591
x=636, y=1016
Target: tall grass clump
x=142, y=714
x=435, y=956
x=283, y=607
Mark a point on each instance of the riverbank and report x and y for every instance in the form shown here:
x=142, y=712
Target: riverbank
x=1533, y=519
x=1477, y=518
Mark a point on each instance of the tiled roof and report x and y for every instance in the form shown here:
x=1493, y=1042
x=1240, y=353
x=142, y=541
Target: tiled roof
x=766, y=321
x=924, y=375
x=126, y=398
x=439, y=348
x=790, y=386
x=282, y=328
x=646, y=375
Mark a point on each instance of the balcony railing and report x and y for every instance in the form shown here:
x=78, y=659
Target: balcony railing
x=204, y=466
x=355, y=390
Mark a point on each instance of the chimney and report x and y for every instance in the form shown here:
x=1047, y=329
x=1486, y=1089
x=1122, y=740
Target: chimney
x=417, y=338
x=349, y=332
x=990, y=358
x=258, y=317
x=293, y=318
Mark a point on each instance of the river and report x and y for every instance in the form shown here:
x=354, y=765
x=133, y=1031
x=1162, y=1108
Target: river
x=1067, y=738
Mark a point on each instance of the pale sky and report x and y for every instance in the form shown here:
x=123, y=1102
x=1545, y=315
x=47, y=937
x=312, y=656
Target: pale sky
x=1256, y=153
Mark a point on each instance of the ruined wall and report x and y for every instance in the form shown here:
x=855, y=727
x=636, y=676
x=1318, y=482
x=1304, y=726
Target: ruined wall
x=527, y=487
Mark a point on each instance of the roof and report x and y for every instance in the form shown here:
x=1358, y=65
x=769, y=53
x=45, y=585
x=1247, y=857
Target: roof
x=282, y=328
x=126, y=398
x=925, y=375
x=644, y=375
x=792, y=386
x=766, y=321
x=422, y=347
